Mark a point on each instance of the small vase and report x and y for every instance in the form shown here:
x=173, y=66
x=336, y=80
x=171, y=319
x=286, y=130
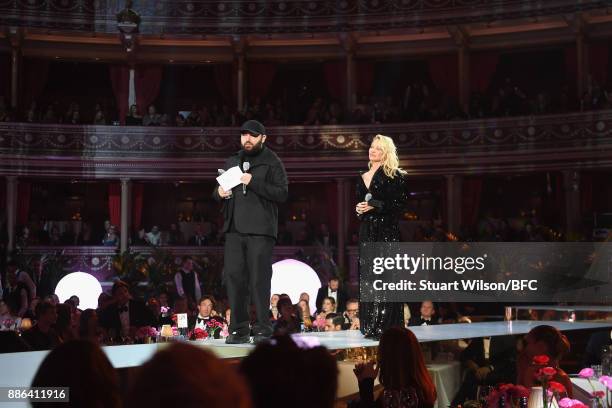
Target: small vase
x=536, y=399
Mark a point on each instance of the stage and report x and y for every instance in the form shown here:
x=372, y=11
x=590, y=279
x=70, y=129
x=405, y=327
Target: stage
x=18, y=369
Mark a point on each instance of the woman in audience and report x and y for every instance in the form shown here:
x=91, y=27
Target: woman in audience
x=288, y=317
x=401, y=371
x=133, y=118
x=182, y=375
x=274, y=307
x=306, y=316
x=543, y=340
x=328, y=306
x=84, y=368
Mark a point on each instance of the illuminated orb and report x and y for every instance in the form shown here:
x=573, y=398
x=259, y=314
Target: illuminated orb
x=82, y=284
x=294, y=277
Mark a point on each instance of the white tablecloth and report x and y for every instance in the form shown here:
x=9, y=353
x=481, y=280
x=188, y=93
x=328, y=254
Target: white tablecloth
x=583, y=390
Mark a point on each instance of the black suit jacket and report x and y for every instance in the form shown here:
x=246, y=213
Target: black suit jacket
x=502, y=356
x=417, y=321
x=256, y=212
x=140, y=316
x=322, y=294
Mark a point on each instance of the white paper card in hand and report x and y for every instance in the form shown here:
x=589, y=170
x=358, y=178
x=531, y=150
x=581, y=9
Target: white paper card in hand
x=181, y=320
x=230, y=179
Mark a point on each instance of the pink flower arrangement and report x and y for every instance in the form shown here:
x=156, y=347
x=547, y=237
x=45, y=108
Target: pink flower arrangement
x=175, y=331
x=607, y=381
x=146, y=331
x=571, y=403
x=586, y=373
x=200, y=334
x=225, y=331
x=8, y=323
x=598, y=396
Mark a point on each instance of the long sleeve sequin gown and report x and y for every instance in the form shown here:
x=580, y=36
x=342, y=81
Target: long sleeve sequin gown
x=389, y=196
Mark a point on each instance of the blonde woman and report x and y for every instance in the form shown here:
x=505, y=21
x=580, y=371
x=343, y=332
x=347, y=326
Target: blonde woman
x=306, y=315
x=381, y=199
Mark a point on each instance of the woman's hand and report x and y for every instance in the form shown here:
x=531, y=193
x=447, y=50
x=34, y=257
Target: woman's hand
x=365, y=370
x=363, y=207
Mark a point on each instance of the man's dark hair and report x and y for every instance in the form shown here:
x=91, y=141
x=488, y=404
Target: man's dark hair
x=209, y=297
x=334, y=278
x=187, y=258
x=337, y=320
x=275, y=368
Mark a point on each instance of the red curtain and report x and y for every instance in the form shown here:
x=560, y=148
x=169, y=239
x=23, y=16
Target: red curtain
x=35, y=78
x=335, y=79
x=24, y=193
x=120, y=79
x=137, y=200
x=261, y=76
x=470, y=206
x=482, y=68
x=364, y=75
x=147, y=80
x=223, y=79
x=114, y=203
x=444, y=74
x=599, y=54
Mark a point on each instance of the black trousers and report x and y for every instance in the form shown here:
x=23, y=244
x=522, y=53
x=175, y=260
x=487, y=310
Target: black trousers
x=247, y=275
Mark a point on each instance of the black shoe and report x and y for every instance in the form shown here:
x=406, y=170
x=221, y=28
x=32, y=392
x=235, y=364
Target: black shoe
x=258, y=338
x=237, y=339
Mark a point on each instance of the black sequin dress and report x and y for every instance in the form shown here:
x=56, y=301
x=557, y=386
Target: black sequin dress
x=389, y=197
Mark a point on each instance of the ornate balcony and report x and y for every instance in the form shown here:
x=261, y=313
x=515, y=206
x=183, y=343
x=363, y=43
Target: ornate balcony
x=511, y=145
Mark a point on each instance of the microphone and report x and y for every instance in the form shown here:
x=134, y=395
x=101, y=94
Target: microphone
x=220, y=171
x=368, y=197
x=245, y=167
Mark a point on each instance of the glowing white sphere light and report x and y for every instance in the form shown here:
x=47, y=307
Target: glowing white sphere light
x=293, y=277
x=81, y=284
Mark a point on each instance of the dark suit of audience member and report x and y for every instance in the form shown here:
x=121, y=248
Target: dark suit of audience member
x=499, y=367
x=139, y=316
x=422, y=321
x=341, y=299
x=597, y=341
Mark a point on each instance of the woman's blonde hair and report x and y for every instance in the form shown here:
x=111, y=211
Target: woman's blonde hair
x=390, y=162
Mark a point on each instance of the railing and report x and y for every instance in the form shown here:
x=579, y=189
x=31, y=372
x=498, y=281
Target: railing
x=551, y=142
x=275, y=16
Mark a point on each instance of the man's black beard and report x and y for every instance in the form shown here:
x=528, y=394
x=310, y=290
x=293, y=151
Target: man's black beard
x=257, y=148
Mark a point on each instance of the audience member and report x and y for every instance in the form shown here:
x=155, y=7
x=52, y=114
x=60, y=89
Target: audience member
x=183, y=375
x=89, y=328
x=278, y=369
x=133, y=118
x=154, y=236
x=43, y=336
x=332, y=290
x=152, y=118
x=401, y=371
x=187, y=281
x=426, y=316
x=124, y=315
x=81, y=366
x=333, y=322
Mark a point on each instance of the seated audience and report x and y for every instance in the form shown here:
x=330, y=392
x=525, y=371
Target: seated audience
x=63, y=324
x=274, y=307
x=111, y=238
x=333, y=322
x=43, y=336
x=401, y=371
x=124, y=315
x=332, y=290
x=288, y=317
x=199, y=238
x=152, y=118
x=16, y=294
x=153, y=238
x=133, y=118
x=206, y=310
x=277, y=367
x=182, y=375
x=351, y=315
x=543, y=340
x=426, y=316
x=83, y=367
x=306, y=315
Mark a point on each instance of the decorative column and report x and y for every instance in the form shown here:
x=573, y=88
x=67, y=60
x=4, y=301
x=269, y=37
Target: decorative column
x=463, y=63
x=239, y=45
x=15, y=39
x=126, y=189
x=341, y=217
x=571, y=191
x=11, y=211
x=454, y=187
x=348, y=43
x=580, y=64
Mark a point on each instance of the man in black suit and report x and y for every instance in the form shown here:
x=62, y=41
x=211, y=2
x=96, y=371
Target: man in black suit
x=251, y=228
x=426, y=315
x=332, y=289
x=486, y=361
x=124, y=315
